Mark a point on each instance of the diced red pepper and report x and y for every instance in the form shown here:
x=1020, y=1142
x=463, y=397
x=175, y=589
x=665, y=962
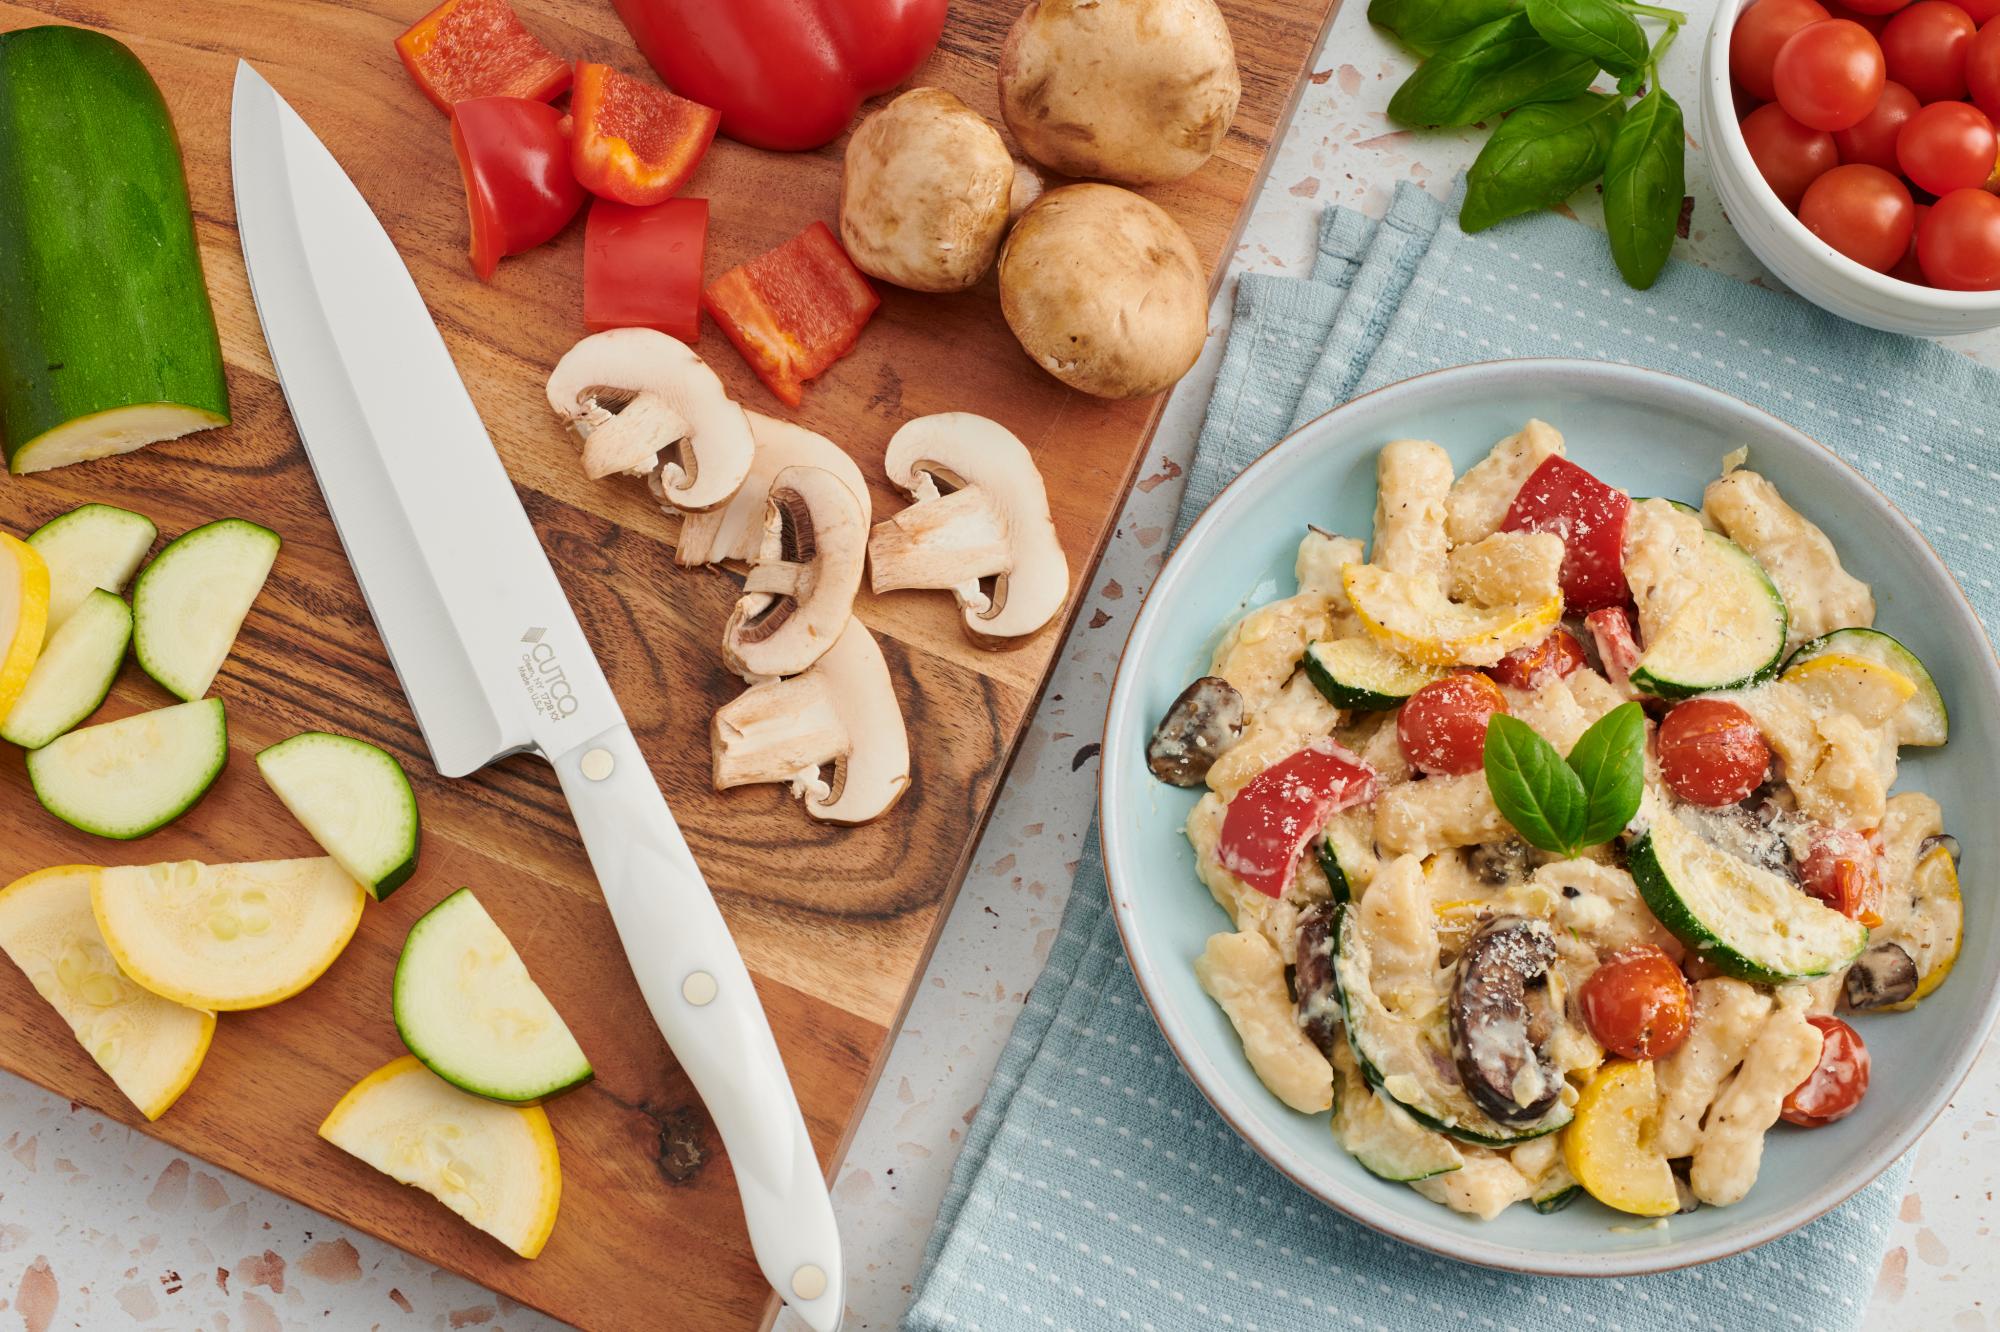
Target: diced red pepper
x=1590, y=517
x=634, y=142
x=514, y=158
x=793, y=311
x=1617, y=645
x=479, y=48
x=1271, y=819
x=642, y=266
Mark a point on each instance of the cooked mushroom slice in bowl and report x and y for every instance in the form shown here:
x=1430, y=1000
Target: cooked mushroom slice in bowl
x=735, y=530
x=842, y=712
x=1203, y=722
x=1501, y=1019
x=980, y=526
x=635, y=394
x=1318, y=1000
x=799, y=593
x=1883, y=975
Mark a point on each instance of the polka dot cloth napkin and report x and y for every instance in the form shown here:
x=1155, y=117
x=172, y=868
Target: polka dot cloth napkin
x=1097, y=1189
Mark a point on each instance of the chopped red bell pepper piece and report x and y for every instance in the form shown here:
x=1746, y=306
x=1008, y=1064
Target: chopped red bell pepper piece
x=1270, y=820
x=479, y=48
x=1590, y=517
x=1617, y=646
x=793, y=311
x=514, y=158
x=642, y=266
x=633, y=142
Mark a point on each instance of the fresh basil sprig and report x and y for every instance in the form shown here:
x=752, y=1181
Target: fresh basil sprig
x=1563, y=806
x=1645, y=178
x=1538, y=157
x=1493, y=68
x=1599, y=29
x=1425, y=25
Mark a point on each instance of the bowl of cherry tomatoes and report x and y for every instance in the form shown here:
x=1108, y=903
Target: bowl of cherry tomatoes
x=1854, y=145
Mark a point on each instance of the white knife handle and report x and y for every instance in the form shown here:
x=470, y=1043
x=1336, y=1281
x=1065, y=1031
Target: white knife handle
x=701, y=996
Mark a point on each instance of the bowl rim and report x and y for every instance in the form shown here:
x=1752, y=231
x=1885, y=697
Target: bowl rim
x=1719, y=111
x=1328, y=1187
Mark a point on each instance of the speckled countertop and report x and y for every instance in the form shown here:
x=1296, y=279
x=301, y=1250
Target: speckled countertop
x=102, y=1227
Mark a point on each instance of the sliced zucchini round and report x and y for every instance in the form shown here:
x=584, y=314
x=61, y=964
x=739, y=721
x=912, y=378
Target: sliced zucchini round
x=1923, y=719
x=1730, y=636
x=128, y=778
x=1362, y=675
x=74, y=673
x=94, y=547
x=354, y=799
x=1388, y=1143
x=1740, y=918
x=190, y=602
x=466, y=1006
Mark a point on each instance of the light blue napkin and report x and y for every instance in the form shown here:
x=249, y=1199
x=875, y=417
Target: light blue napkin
x=1096, y=1188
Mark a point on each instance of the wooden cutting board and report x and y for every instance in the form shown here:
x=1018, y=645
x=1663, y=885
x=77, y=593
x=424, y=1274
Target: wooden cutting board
x=836, y=924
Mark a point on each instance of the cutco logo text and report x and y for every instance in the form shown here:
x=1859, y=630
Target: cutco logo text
x=542, y=675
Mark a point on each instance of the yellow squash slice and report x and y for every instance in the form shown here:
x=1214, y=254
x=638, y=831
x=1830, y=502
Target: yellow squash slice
x=24, y=616
x=227, y=936
x=1412, y=616
x=1866, y=690
x=149, y=1046
x=1608, y=1146
x=1936, y=927
x=495, y=1165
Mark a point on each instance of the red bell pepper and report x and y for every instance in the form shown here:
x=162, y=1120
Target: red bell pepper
x=794, y=311
x=785, y=74
x=519, y=192
x=479, y=48
x=1590, y=517
x=1271, y=819
x=633, y=142
x=642, y=266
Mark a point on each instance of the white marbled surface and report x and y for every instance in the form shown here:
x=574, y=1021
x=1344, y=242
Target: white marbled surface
x=102, y=1227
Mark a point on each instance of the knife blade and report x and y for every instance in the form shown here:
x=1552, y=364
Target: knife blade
x=489, y=650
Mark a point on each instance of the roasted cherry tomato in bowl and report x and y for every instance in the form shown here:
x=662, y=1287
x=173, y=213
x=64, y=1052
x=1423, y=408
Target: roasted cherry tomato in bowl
x=1556, y=657
x=1828, y=74
x=1637, y=1003
x=1442, y=727
x=1760, y=30
x=1836, y=1084
x=1959, y=246
x=515, y=162
x=1711, y=752
x=1872, y=140
x=1840, y=870
x=1924, y=49
x=1863, y=212
x=1947, y=146
x=1790, y=156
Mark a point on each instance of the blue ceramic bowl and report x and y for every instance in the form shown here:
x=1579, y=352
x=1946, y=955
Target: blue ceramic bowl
x=1651, y=435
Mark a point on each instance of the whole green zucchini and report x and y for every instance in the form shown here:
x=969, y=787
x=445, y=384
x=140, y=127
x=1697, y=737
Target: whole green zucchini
x=107, y=342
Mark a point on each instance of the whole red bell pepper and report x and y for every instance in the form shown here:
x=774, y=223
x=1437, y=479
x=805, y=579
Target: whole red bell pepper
x=793, y=311
x=785, y=74
x=519, y=192
x=642, y=266
x=479, y=48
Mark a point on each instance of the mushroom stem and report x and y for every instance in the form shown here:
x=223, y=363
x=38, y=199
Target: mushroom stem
x=780, y=578
x=772, y=732
x=948, y=541
x=622, y=441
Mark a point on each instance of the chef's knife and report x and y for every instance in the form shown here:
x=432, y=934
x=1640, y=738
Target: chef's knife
x=489, y=651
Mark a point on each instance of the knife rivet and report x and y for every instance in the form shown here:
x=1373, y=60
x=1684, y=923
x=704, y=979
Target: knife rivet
x=809, y=1283
x=597, y=764
x=699, y=989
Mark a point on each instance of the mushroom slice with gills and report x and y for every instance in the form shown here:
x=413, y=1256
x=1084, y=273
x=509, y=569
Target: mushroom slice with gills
x=633, y=395
x=1882, y=976
x=735, y=530
x=800, y=591
x=1204, y=721
x=1502, y=1018
x=843, y=712
x=992, y=523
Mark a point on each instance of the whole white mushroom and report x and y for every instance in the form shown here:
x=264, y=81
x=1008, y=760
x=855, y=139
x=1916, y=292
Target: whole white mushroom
x=923, y=197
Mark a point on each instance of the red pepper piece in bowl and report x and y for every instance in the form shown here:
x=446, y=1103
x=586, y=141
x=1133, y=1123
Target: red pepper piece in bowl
x=1590, y=517
x=633, y=142
x=519, y=191
x=642, y=266
x=1270, y=820
x=793, y=311
x=479, y=48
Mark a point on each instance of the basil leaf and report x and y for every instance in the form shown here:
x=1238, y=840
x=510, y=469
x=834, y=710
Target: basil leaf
x=1538, y=157
x=1425, y=25
x=1644, y=181
x=1493, y=68
x=1610, y=760
x=1595, y=28
x=1534, y=788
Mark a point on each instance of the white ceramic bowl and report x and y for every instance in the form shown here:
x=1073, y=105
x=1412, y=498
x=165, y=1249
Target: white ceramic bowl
x=1654, y=435
x=1808, y=265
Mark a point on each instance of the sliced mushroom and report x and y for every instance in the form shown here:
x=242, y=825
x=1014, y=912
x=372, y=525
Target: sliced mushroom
x=1883, y=975
x=1318, y=991
x=1203, y=722
x=633, y=395
x=800, y=592
x=842, y=712
x=993, y=524
x=735, y=530
x=1501, y=1019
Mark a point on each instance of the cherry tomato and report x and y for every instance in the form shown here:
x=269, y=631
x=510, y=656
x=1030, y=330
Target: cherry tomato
x=1959, y=247
x=1836, y=1084
x=1982, y=68
x=1556, y=657
x=1924, y=49
x=1947, y=146
x=1760, y=30
x=1637, y=1003
x=1790, y=155
x=1982, y=11
x=1875, y=8
x=1839, y=869
x=1711, y=752
x=1907, y=268
x=1863, y=212
x=1872, y=140
x=1442, y=728
x=1828, y=74
x=1873, y=22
